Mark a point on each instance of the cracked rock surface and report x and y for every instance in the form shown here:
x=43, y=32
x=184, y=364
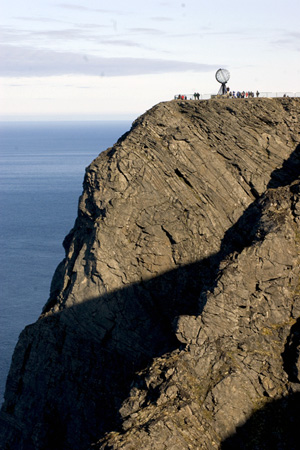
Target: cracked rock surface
x=173, y=321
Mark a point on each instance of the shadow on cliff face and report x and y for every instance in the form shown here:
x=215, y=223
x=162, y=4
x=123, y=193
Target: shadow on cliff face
x=274, y=427
x=79, y=364
x=94, y=349
x=289, y=171
x=291, y=356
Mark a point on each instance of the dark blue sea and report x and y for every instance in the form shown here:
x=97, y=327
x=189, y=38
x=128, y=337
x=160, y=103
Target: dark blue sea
x=42, y=167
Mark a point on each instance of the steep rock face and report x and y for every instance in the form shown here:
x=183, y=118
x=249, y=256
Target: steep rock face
x=177, y=256
x=237, y=357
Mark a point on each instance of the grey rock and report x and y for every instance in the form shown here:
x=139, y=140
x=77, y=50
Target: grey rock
x=173, y=317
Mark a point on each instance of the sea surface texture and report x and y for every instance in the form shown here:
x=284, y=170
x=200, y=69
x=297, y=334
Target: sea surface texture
x=41, y=172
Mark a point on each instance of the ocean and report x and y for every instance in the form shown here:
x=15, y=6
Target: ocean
x=42, y=167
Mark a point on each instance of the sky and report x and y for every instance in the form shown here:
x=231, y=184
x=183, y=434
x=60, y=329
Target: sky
x=90, y=59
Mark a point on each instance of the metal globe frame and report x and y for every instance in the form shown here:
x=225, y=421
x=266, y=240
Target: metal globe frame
x=222, y=76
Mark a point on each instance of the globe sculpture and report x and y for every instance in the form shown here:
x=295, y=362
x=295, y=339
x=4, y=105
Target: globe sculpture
x=222, y=76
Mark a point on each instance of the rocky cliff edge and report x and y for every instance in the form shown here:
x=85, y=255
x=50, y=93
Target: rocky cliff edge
x=173, y=321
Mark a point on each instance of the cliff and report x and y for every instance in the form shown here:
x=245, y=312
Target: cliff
x=173, y=321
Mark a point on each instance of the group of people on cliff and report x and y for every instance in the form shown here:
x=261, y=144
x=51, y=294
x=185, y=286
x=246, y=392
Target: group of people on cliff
x=242, y=94
x=196, y=96
x=180, y=97
x=229, y=93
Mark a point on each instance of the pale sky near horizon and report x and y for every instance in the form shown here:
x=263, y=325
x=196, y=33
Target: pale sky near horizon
x=90, y=59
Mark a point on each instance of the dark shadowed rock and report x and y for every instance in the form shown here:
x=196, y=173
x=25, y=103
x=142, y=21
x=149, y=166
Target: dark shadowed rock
x=174, y=316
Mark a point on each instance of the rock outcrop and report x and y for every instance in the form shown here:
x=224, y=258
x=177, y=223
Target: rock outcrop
x=174, y=320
